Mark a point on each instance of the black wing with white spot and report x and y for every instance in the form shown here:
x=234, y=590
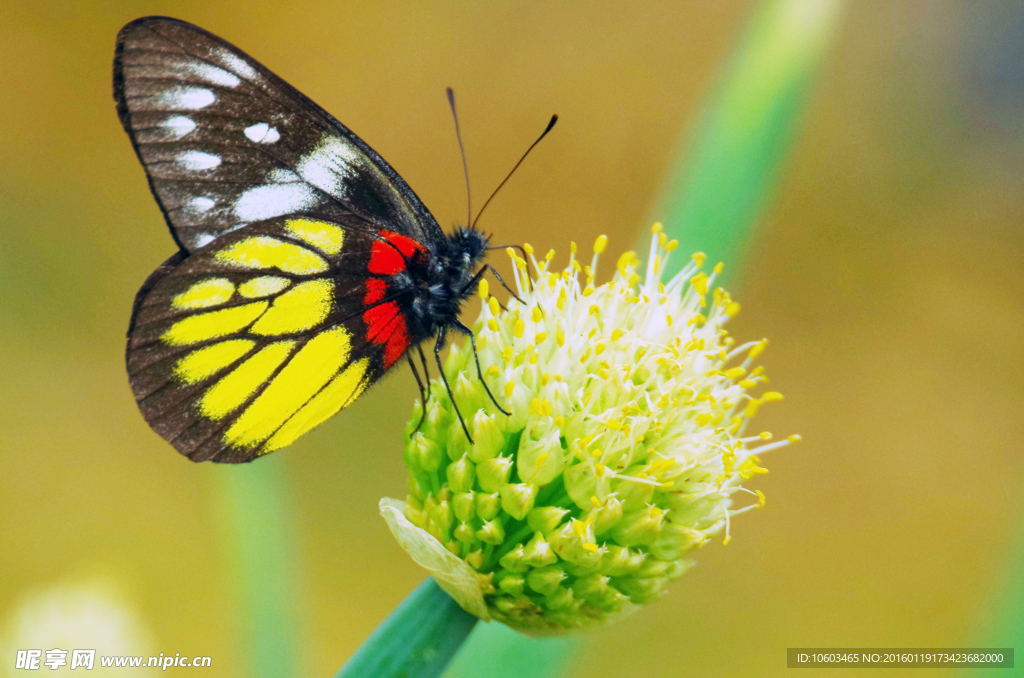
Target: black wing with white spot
x=226, y=143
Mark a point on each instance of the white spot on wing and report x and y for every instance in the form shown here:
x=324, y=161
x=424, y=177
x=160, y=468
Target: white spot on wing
x=329, y=165
x=179, y=125
x=283, y=176
x=237, y=65
x=202, y=204
x=214, y=75
x=262, y=133
x=197, y=160
x=204, y=239
x=187, y=98
x=273, y=200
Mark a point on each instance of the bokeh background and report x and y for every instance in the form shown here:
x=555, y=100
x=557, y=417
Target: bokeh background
x=887, y=269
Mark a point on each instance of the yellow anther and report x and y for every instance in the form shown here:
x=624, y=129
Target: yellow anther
x=506, y=354
x=614, y=424
x=537, y=315
x=758, y=349
x=591, y=547
x=509, y=387
x=528, y=248
x=671, y=245
x=599, y=349
x=732, y=309
x=617, y=334
x=771, y=396
x=599, y=469
x=594, y=309
x=625, y=259
x=697, y=319
x=533, y=358
x=559, y=420
x=596, y=453
x=704, y=419
x=726, y=541
x=493, y=325
x=735, y=373
x=535, y=406
x=634, y=279
x=600, y=244
x=520, y=327
x=719, y=267
x=699, y=257
x=668, y=319
x=511, y=253
x=588, y=290
x=795, y=438
x=572, y=247
x=667, y=484
x=746, y=383
x=757, y=371
x=483, y=289
x=560, y=338
x=541, y=458
x=493, y=371
x=662, y=240
x=655, y=512
x=760, y=498
x=765, y=435
x=752, y=407
x=595, y=502
x=656, y=228
x=493, y=306
x=540, y=337
x=700, y=283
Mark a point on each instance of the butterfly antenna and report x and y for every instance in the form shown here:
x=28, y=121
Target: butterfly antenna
x=554, y=119
x=462, y=149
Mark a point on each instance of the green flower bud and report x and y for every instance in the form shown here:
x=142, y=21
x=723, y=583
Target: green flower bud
x=460, y=475
x=487, y=505
x=491, y=533
x=465, y=533
x=623, y=452
x=546, y=518
x=541, y=458
x=463, y=505
x=488, y=438
x=494, y=473
x=545, y=580
x=517, y=500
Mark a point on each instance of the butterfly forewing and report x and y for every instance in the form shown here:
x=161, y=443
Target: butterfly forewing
x=226, y=143
x=243, y=346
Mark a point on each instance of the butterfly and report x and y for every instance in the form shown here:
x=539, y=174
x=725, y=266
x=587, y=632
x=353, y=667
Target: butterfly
x=307, y=268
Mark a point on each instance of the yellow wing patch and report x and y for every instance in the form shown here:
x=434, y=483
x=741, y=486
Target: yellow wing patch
x=301, y=308
x=328, y=238
x=302, y=378
x=262, y=252
x=263, y=286
x=209, y=360
x=213, y=324
x=232, y=391
x=345, y=388
x=205, y=293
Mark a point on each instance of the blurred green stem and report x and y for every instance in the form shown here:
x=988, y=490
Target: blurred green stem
x=729, y=164
x=258, y=534
x=417, y=640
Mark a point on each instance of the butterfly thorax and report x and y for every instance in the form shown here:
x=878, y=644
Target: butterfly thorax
x=435, y=285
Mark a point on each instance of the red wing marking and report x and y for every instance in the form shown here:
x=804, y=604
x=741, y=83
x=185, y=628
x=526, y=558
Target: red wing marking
x=375, y=288
x=389, y=256
x=385, y=324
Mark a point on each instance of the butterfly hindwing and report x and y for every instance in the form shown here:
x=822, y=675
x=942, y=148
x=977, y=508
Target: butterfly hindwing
x=226, y=143
x=246, y=344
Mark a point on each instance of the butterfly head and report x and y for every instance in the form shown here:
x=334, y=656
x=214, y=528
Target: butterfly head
x=466, y=249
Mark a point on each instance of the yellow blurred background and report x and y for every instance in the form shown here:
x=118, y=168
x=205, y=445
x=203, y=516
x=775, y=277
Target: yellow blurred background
x=888, y=272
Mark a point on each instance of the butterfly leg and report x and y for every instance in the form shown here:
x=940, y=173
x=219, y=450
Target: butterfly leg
x=426, y=370
x=437, y=355
x=503, y=283
x=472, y=341
x=423, y=397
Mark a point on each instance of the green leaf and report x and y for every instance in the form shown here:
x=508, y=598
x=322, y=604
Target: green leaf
x=417, y=640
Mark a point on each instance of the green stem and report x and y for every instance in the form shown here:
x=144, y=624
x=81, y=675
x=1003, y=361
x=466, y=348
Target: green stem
x=417, y=640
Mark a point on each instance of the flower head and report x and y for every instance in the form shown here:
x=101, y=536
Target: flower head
x=623, y=451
